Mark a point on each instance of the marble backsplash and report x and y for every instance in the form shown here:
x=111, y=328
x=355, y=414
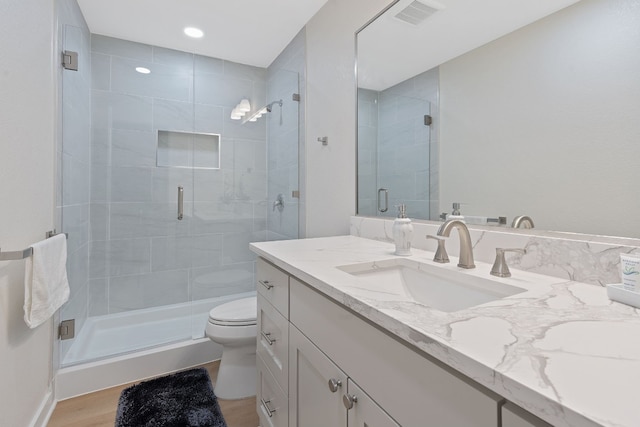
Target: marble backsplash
x=579, y=257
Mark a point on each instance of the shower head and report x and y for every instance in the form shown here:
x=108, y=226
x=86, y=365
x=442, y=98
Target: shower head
x=269, y=107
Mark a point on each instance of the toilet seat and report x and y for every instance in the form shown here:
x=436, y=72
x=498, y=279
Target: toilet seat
x=241, y=312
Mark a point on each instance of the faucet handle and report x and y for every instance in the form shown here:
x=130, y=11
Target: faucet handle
x=500, y=267
x=441, y=253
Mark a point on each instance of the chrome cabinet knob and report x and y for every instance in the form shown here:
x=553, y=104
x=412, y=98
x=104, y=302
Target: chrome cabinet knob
x=349, y=400
x=334, y=385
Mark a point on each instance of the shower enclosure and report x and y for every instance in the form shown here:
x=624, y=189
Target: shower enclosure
x=397, y=148
x=162, y=191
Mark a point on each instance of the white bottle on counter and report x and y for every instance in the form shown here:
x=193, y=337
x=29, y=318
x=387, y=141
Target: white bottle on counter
x=402, y=232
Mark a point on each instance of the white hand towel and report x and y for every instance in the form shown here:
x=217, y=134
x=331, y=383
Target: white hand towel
x=46, y=286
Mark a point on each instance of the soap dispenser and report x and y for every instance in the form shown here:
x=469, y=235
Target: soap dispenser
x=402, y=232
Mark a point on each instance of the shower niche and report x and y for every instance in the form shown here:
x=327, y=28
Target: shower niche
x=188, y=150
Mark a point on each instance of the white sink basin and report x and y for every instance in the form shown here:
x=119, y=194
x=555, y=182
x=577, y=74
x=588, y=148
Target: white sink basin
x=436, y=287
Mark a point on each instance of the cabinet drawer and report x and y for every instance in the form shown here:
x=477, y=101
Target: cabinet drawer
x=408, y=385
x=273, y=284
x=273, y=341
x=272, y=404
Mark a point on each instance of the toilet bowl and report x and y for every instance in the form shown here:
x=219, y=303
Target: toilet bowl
x=233, y=325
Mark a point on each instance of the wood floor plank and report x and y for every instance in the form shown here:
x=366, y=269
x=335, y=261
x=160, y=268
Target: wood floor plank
x=99, y=409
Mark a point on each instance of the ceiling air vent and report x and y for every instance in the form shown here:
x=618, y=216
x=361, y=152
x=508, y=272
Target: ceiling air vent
x=417, y=12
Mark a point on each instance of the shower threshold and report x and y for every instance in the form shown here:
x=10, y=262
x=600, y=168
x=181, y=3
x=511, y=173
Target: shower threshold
x=124, y=333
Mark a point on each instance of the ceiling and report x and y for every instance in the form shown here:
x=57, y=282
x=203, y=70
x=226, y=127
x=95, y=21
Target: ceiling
x=391, y=51
x=251, y=32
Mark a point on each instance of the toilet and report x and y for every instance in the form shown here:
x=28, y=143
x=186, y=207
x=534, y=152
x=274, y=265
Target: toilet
x=233, y=325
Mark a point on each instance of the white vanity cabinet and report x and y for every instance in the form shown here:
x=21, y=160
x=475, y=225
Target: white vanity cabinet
x=340, y=370
x=410, y=387
x=272, y=351
x=322, y=395
x=515, y=416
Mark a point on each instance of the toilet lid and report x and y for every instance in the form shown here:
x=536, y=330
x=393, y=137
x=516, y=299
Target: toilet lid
x=239, y=312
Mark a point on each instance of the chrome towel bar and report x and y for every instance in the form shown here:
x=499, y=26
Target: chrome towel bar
x=25, y=253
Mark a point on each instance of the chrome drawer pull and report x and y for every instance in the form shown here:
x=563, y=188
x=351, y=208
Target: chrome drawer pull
x=267, y=336
x=266, y=284
x=334, y=385
x=265, y=405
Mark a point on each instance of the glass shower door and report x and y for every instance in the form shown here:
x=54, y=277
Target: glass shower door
x=394, y=150
x=141, y=149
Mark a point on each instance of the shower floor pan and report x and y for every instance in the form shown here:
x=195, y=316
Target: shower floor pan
x=123, y=333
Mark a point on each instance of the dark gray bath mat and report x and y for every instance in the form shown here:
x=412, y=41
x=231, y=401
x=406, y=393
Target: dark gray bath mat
x=183, y=399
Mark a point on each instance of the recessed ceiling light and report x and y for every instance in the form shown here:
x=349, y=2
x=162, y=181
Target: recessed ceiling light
x=194, y=32
x=143, y=70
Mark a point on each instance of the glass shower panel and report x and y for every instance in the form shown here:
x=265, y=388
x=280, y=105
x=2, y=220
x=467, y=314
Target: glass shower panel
x=394, y=144
x=140, y=254
x=283, y=136
x=228, y=204
x=74, y=168
x=152, y=140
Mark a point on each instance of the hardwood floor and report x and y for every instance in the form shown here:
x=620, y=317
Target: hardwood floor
x=99, y=409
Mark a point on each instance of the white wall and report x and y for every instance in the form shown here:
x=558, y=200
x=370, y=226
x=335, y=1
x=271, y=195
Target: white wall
x=544, y=122
x=331, y=112
x=27, y=150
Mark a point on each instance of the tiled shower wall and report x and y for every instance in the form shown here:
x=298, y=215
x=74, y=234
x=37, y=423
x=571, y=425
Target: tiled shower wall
x=396, y=150
x=141, y=255
x=285, y=77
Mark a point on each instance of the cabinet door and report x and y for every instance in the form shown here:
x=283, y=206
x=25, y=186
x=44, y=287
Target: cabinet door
x=515, y=416
x=316, y=386
x=362, y=411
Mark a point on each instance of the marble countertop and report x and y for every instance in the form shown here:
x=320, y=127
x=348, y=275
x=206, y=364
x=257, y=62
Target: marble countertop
x=561, y=349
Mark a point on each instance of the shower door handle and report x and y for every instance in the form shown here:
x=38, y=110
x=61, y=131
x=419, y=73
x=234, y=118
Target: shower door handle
x=180, y=202
x=386, y=199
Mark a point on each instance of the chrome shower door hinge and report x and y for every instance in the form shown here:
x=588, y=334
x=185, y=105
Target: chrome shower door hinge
x=428, y=120
x=70, y=60
x=67, y=329
x=296, y=97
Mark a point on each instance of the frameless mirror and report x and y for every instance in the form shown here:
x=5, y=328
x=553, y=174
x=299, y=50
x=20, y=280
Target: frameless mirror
x=509, y=109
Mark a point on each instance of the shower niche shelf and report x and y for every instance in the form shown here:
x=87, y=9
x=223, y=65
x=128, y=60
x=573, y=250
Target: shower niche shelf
x=177, y=149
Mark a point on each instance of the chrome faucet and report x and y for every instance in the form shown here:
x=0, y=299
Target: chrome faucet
x=522, y=220
x=466, y=249
x=278, y=203
x=500, y=267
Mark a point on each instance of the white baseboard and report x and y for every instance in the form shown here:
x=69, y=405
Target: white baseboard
x=42, y=415
x=89, y=377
